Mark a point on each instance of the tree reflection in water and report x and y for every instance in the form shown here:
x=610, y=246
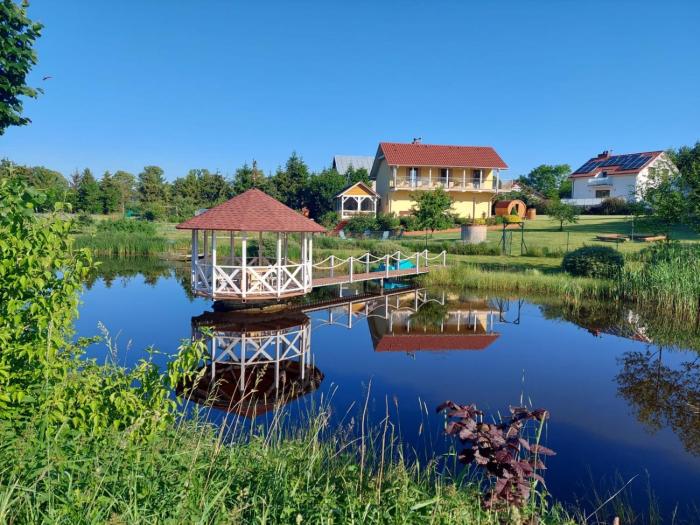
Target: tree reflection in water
x=661, y=395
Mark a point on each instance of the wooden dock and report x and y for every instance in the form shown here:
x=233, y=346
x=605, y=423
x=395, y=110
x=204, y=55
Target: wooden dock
x=367, y=276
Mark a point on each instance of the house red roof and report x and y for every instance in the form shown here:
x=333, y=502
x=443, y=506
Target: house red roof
x=627, y=164
x=252, y=211
x=418, y=154
x=416, y=342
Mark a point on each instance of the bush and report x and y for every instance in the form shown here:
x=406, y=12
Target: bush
x=594, y=261
x=361, y=224
x=612, y=206
x=329, y=219
x=512, y=219
x=409, y=223
x=387, y=221
x=85, y=220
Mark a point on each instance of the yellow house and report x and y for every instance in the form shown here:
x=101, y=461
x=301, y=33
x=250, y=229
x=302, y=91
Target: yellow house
x=470, y=174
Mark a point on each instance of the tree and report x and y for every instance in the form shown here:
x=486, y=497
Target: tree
x=320, y=192
x=353, y=175
x=213, y=188
x=88, y=194
x=109, y=193
x=290, y=181
x=125, y=183
x=432, y=209
x=50, y=182
x=548, y=179
x=152, y=186
x=17, y=57
x=687, y=160
x=563, y=213
x=247, y=177
x=666, y=198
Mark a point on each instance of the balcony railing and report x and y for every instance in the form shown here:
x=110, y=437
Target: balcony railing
x=600, y=181
x=452, y=184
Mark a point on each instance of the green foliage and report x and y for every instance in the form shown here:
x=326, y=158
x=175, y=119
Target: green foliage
x=126, y=226
x=88, y=193
x=668, y=279
x=432, y=209
x=665, y=194
x=594, y=261
x=110, y=194
x=320, y=191
x=387, y=222
x=201, y=188
x=361, y=224
x=51, y=183
x=290, y=182
x=247, y=177
x=152, y=187
x=125, y=183
x=18, y=34
x=564, y=213
x=353, y=176
x=329, y=219
x=548, y=179
x=687, y=160
x=409, y=223
x=42, y=373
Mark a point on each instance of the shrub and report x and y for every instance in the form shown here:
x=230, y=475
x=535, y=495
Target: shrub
x=512, y=219
x=387, y=221
x=361, y=224
x=612, y=206
x=329, y=219
x=594, y=261
x=85, y=220
x=409, y=223
x=478, y=222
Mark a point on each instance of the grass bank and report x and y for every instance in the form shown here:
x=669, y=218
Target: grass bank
x=529, y=281
x=191, y=474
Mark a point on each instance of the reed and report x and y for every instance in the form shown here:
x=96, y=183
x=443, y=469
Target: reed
x=525, y=282
x=114, y=243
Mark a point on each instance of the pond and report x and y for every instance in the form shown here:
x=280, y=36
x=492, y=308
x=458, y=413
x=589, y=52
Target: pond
x=623, y=390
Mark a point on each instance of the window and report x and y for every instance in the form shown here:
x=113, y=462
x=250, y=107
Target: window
x=443, y=173
x=476, y=178
x=413, y=173
x=602, y=194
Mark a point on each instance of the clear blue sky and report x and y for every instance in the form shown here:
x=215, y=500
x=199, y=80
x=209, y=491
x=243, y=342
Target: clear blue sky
x=214, y=83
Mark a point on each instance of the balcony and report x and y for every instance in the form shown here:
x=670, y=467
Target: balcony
x=449, y=184
x=600, y=181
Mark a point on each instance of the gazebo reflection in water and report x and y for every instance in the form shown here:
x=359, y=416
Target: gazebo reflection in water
x=260, y=360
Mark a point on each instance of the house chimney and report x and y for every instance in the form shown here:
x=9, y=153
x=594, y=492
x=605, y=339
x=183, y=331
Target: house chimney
x=605, y=154
x=417, y=140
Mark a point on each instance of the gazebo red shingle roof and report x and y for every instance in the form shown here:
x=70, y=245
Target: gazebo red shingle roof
x=252, y=211
x=400, y=154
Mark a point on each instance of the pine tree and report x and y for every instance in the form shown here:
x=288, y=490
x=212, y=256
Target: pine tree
x=109, y=193
x=88, y=194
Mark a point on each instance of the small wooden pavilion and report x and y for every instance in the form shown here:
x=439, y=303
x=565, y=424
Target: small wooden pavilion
x=246, y=270
x=357, y=199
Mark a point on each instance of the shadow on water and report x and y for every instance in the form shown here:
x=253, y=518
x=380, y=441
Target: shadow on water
x=622, y=385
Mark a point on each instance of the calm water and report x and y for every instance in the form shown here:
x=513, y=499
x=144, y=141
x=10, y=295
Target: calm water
x=620, y=405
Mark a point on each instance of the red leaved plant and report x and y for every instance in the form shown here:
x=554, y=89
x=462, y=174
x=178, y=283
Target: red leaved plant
x=508, y=458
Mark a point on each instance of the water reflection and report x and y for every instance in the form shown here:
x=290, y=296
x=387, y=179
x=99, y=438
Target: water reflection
x=257, y=361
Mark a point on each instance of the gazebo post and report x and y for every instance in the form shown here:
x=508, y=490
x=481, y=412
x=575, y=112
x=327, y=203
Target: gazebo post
x=194, y=256
x=304, y=267
x=286, y=254
x=206, y=247
x=213, y=263
x=278, y=260
x=231, y=240
x=244, y=263
x=260, y=248
x=311, y=260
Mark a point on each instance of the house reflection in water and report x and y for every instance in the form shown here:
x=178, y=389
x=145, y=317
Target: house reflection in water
x=459, y=324
x=258, y=361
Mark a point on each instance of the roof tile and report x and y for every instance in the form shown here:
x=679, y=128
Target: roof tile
x=252, y=211
x=399, y=154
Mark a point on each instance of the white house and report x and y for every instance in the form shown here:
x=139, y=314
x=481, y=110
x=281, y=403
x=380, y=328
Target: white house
x=610, y=175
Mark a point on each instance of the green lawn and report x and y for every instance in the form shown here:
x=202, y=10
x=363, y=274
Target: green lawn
x=544, y=231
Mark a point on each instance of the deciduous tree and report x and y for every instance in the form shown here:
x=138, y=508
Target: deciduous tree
x=548, y=179
x=432, y=209
x=564, y=213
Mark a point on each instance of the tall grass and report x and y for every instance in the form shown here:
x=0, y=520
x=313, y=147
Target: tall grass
x=668, y=278
x=526, y=282
x=122, y=243
x=197, y=474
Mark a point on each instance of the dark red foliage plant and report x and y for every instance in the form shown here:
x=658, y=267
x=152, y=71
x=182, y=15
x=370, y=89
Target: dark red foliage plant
x=508, y=458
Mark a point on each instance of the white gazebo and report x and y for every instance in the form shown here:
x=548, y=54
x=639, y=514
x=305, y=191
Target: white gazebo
x=358, y=199
x=231, y=259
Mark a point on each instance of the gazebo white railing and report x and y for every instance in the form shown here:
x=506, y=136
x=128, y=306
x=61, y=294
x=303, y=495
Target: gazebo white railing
x=238, y=276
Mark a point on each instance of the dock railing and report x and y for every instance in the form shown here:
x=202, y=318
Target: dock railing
x=367, y=266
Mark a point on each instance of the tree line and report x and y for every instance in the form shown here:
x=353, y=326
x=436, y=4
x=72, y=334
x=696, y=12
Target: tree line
x=148, y=194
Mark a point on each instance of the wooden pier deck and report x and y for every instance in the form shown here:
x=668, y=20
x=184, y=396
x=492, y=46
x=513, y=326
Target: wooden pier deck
x=367, y=276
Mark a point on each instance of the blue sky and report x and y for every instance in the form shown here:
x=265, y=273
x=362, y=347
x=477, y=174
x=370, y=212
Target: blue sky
x=214, y=83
